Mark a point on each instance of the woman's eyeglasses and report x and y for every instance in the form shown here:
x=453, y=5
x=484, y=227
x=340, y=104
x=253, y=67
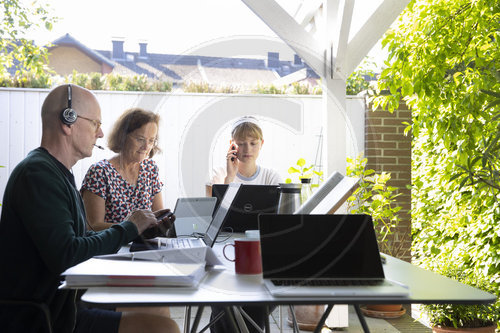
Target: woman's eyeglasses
x=143, y=141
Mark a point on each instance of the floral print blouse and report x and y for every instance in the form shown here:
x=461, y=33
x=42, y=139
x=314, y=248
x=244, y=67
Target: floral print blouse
x=121, y=197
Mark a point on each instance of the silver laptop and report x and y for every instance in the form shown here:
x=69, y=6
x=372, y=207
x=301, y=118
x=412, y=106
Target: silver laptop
x=183, y=249
x=323, y=255
x=192, y=216
x=211, y=233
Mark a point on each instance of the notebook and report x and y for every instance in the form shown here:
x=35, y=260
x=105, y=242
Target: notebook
x=95, y=272
x=251, y=200
x=192, y=216
x=185, y=250
x=323, y=255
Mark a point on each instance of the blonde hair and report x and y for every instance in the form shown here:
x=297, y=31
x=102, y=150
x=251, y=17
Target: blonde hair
x=247, y=127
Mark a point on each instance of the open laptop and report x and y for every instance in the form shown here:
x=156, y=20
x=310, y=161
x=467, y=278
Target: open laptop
x=251, y=200
x=323, y=255
x=192, y=216
x=185, y=249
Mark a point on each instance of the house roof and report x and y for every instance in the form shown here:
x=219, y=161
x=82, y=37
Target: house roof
x=68, y=40
x=178, y=68
x=182, y=67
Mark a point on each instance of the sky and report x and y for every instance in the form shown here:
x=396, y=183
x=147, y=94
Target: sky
x=167, y=26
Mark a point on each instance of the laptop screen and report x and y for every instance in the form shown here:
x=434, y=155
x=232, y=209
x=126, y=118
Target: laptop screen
x=319, y=246
x=220, y=215
x=192, y=215
x=251, y=200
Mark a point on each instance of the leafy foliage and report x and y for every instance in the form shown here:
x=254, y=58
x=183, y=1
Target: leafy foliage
x=27, y=80
x=98, y=81
x=357, y=81
x=483, y=169
x=301, y=89
x=15, y=51
x=269, y=89
x=444, y=61
x=304, y=171
x=374, y=197
x=203, y=87
x=462, y=315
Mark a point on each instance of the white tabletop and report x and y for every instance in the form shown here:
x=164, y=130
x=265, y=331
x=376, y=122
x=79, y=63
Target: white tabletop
x=224, y=287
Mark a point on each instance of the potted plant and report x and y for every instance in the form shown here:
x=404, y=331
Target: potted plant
x=374, y=197
x=307, y=316
x=447, y=318
x=304, y=172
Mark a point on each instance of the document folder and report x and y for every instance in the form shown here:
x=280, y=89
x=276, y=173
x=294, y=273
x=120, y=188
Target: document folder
x=137, y=273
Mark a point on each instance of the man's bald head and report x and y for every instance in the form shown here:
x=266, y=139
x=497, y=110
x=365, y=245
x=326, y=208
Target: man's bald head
x=57, y=100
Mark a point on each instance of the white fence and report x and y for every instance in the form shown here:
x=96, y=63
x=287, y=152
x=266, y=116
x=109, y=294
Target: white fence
x=194, y=131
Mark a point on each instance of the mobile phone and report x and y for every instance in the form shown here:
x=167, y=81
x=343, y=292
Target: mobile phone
x=233, y=147
x=162, y=216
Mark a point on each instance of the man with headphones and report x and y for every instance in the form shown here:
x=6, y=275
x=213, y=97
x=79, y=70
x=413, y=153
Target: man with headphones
x=43, y=226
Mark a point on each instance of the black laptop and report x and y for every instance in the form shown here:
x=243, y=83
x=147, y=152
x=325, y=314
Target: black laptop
x=250, y=201
x=323, y=255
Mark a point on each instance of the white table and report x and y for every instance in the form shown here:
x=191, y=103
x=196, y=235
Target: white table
x=225, y=288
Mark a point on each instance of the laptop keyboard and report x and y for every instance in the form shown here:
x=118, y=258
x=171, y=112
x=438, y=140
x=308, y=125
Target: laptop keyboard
x=176, y=243
x=328, y=283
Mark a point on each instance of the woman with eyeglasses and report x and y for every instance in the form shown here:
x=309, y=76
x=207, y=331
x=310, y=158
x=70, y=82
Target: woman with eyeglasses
x=112, y=188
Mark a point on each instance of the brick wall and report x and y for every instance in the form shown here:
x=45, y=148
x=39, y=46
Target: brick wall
x=388, y=149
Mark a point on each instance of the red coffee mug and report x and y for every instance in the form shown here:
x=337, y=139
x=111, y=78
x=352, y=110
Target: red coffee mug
x=247, y=259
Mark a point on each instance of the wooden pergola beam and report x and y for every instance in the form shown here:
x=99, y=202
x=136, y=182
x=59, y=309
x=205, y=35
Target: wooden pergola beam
x=371, y=31
x=340, y=33
x=292, y=33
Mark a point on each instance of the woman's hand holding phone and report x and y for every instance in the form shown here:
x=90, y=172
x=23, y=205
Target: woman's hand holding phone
x=231, y=162
x=233, y=151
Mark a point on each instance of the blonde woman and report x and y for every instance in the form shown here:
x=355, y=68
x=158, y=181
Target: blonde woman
x=241, y=158
x=241, y=167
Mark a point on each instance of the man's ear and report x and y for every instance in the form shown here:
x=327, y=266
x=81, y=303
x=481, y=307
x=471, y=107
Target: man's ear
x=67, y=129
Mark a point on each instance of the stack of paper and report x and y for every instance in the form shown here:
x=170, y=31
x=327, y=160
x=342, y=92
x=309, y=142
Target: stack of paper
x=102, y=272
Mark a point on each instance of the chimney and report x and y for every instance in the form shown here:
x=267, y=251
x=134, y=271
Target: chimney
x=296, y=60
x=117, y=52
x=273, y=59
x=143, y=49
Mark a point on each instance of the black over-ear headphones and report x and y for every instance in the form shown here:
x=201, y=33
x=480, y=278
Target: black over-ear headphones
x=68, y=115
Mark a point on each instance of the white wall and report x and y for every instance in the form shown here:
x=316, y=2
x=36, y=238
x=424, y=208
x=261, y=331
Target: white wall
x=194, y=132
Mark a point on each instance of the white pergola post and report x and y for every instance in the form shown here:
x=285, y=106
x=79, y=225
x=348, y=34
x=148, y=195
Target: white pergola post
x=333, y=57
x=337, y=22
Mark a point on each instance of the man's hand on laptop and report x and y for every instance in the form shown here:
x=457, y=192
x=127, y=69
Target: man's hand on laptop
x=164, y=219
x=143, y=219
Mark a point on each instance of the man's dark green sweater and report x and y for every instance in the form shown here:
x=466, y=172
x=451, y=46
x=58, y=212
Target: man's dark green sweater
x=42, y=233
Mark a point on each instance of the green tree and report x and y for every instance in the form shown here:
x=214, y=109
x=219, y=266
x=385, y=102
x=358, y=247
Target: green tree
x=357, y=82
x=18, y=18
x=444, y=61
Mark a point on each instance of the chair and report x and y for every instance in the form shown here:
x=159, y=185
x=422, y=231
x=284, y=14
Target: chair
x=41, y=307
